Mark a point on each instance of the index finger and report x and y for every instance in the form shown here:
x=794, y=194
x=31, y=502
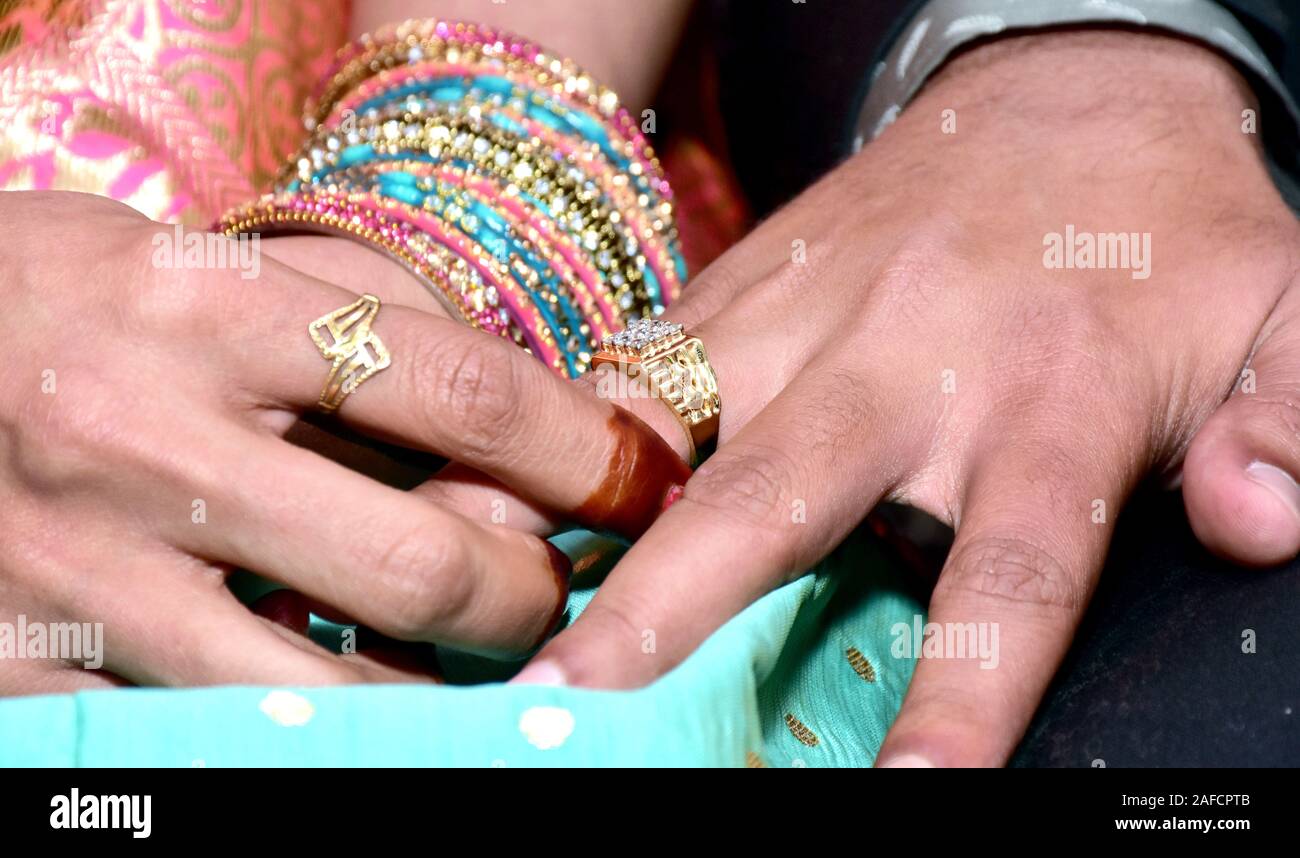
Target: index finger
x=464, y=394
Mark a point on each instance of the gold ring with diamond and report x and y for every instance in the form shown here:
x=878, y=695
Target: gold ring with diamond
x=676, y=369
x=345, y=338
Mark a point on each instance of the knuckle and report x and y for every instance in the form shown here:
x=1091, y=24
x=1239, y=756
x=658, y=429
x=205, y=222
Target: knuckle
x=905, y=274
x=161, y=297
x=474, y=389
x=1066, y=346
x=908, y=282
x=848, y=406
x=750, y=484
x=615, y=622
x=715, y=286
x=1013, y=570
x=623, y=638
x=422, y=582
x=71, y=433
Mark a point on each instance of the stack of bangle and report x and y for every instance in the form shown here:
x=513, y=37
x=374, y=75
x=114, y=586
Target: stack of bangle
x=513, y=186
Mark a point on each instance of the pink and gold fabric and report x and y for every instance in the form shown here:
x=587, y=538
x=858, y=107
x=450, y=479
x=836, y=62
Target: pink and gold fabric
x=179, y=108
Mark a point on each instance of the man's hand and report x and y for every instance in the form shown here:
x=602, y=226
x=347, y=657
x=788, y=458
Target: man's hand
x=928, y=325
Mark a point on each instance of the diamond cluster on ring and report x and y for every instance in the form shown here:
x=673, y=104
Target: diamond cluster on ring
x=642, y=333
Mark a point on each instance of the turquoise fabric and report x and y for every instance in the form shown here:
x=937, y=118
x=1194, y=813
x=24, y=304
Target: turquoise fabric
x=777, y=672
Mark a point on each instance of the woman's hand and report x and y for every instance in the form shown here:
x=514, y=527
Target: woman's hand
x=141, y=423
x=927, y=353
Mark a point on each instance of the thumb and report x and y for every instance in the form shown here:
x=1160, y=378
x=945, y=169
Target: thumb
x=1240, y=477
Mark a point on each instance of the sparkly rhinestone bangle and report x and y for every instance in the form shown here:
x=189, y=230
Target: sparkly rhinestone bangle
x=572, y=200
x=511, y=184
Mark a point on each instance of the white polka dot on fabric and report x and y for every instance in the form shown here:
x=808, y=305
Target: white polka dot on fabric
x=546, y=727
x=287, y=708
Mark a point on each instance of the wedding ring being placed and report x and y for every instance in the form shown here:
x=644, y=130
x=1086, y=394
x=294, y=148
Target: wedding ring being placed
x=676, y=369
x=355, y=352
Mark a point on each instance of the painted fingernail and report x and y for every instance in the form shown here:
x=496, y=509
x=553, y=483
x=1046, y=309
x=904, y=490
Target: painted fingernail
x=641, y=468
x=539, y=673
x=907, y=761
x=561, y=565
x=1279, y=482
x=562, y=569
x=673, y=495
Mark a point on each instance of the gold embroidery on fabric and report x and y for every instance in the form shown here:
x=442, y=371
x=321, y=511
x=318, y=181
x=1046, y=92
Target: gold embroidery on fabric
x=754, y=761
x=10, y=37
x=260, y=69
x=230, y=77
x=800, y=731
x=203, y=17
x=861, y=666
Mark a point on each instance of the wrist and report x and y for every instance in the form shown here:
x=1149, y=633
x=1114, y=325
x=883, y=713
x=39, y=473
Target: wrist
x=1113, y=79
x=1124, y=64
x=1079, y=106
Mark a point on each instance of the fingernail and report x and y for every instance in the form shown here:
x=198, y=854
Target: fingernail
x=562, y=569
x=673, y=495
x=1277, y=481
x=630, y=496
x=561, y=565
x=539, y=673
x=907, y=761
